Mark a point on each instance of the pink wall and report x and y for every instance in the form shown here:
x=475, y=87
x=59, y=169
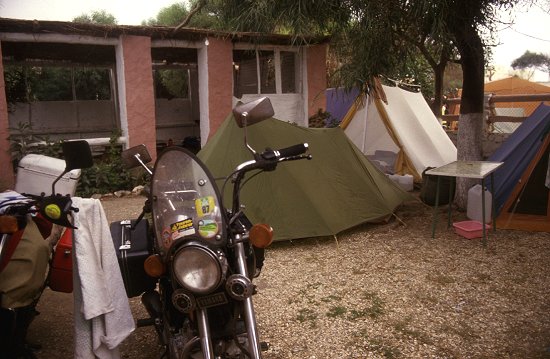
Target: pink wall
x=7, y=180
x=220, y=82
x=138, y=84
x=316, y=78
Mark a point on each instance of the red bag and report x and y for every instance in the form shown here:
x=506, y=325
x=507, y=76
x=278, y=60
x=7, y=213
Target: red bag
x=61, y=272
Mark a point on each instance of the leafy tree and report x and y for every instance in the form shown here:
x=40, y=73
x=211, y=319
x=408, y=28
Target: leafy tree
x=198, y=14
x=379, y=36
x=169, y=16
x=97, y=17
x=16, y=88
x=532, y=60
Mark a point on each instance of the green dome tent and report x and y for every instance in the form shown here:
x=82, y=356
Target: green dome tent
x=336, y=190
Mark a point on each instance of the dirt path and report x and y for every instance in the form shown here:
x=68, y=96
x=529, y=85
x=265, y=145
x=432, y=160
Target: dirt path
x=387, y=291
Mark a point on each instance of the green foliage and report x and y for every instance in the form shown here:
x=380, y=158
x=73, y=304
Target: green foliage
x=171, y=83
x=16, y=88
x=170, y=16
x=323, y=119
x=24, y=141
x=107, y=174
x=92, y=83
x=206, y=16
x=97, y=17
x=51, y=83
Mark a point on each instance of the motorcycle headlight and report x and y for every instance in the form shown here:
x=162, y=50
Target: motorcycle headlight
x=199, y=269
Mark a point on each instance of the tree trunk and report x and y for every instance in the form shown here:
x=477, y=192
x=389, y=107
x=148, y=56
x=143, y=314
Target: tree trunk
x=470, y=124
x=439, y=72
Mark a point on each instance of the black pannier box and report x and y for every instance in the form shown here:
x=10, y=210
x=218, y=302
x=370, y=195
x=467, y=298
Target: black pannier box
x=132, y=248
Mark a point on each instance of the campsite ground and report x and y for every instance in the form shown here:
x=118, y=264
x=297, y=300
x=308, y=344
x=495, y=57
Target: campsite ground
x=377, y=291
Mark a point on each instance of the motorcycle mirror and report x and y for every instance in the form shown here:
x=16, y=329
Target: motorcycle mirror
x=253, y=112
x=136, y=156
x=77, y=155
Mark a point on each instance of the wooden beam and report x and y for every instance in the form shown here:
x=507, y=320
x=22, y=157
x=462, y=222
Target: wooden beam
x=491, y=118
x=508, y=98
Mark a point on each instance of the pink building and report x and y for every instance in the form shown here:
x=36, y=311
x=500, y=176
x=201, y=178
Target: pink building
x=153, y=84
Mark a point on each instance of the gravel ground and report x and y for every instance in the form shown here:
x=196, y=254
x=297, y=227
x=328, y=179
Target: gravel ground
x=378, y=291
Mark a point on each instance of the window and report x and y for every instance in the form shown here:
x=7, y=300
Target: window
x=288, y=72
x=264, y=72
x=92, y=83
x=171, y=83
x=55, y=83
x=245, y=72
x=267, y=71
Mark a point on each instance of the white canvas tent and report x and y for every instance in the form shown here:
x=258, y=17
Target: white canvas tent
x=398, y=130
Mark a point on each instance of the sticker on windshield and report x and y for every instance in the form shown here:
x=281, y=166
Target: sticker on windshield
x=205, y=205
x=208, y=228
x=182, y=228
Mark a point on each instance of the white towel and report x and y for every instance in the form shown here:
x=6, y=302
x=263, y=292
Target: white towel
x=103, y=318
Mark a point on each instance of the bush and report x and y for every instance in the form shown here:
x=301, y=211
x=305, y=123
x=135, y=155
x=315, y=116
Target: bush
x=107, y=175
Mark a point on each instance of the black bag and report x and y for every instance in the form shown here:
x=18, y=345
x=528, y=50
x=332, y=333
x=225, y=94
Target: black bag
x=429, y=188
x=132, y=248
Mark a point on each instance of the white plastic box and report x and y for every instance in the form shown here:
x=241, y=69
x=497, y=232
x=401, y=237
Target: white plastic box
x=474, y=210
x=405, y=181
x=36, y=173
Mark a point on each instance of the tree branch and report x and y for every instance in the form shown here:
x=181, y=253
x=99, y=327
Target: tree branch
x=198, y=6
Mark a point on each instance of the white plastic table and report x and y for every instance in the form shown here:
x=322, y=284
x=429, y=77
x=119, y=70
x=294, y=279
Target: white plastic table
x=468, y=169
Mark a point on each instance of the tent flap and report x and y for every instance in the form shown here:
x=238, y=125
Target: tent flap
x=403, y=123
x=522, y=199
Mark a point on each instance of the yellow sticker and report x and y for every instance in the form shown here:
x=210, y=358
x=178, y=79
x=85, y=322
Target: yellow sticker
x=53, y=211
x=205, y=205
x=182, y=228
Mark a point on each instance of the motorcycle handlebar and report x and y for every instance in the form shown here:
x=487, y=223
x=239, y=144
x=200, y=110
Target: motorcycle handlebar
x=269, y=159
x=285, y=152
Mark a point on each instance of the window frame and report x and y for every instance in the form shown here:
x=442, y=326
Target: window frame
x=298, y=83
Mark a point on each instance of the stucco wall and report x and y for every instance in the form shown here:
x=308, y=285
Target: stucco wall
x=6, y=174
x=138, y=97
x=316, y=78
x=490, y=141
x=220, y=82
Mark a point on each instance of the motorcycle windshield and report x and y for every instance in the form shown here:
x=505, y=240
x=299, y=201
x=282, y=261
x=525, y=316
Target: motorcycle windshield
x=185, y=201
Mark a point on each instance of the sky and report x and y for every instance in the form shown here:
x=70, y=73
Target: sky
x=530, y=31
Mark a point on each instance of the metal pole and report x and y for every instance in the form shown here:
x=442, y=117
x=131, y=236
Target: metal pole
x=204, y=333
x=483, y=211
x=249, y=315
x=434, y=222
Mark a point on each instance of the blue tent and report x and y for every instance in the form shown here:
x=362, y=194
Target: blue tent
x=525, y=153
x=339, y=101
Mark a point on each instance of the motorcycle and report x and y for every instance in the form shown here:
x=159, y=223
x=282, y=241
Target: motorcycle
x=27, y=241
x=199, y=259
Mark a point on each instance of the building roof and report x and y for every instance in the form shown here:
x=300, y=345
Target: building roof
x=515, y=85
x=154, y=32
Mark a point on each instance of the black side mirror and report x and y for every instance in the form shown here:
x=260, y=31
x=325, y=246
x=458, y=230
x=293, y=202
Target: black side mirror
x=77, y=155
x=253, y=112
x=135, y=156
